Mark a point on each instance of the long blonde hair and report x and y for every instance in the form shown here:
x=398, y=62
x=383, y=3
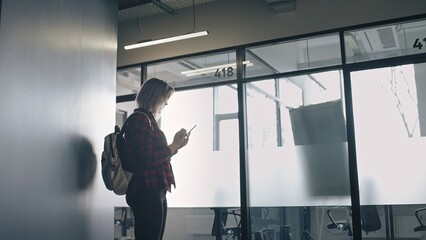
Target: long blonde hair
x=152, y=94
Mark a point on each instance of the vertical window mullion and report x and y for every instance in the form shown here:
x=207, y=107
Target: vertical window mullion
x=353, y=169
x=242, y=126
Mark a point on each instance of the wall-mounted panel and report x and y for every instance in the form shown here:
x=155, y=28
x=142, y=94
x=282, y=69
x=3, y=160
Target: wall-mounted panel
x=57, y=97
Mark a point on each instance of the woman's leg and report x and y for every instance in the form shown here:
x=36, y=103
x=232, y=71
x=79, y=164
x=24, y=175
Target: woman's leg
x=148, y=209
x=163, y=222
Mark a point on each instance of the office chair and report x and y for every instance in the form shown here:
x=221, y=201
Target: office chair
x=422, y=226
x=370, y=220
x=340, y=225
x=125, y=221
x=221, y=217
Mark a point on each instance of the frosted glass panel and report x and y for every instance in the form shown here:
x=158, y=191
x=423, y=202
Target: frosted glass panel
x=207, y=169
x=390, y=150
x=297, y=141
x=292, y=176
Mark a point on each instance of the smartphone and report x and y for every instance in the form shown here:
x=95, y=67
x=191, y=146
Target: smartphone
x=189, y=132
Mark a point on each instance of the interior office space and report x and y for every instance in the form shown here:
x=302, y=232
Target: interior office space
x=60, y=61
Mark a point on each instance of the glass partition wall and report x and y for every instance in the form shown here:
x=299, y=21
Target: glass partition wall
x=298, y=159
x=325, y=117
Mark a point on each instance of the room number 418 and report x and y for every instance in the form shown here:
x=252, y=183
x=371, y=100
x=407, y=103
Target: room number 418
x=224, y=72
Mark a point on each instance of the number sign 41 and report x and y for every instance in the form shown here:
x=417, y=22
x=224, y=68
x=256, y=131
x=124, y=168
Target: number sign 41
x=418, y=43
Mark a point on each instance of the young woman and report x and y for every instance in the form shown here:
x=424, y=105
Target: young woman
x=146, y=145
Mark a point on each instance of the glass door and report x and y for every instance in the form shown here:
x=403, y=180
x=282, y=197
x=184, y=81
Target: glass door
x=298, y=160
x=389, y=106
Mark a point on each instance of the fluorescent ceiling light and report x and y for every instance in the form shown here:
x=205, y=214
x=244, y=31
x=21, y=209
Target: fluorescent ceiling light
x=166, y=40
x=205, y=70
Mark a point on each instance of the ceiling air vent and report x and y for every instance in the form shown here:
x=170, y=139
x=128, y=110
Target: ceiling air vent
x=387, y=37
x=377, y=40
x=281, y=6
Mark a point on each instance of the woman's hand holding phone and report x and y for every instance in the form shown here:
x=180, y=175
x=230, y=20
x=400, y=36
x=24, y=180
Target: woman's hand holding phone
x=189, y=132
x=180, y=139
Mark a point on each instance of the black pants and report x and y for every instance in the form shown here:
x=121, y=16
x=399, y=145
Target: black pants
x=149, y=207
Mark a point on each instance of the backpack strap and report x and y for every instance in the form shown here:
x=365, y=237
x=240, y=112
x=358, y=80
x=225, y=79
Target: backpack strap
x=149, y=120
x=130, y=117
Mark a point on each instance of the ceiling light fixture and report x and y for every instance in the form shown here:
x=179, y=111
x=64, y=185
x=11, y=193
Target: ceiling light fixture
x=212, y=69
x=191, y=34
x=166, y=40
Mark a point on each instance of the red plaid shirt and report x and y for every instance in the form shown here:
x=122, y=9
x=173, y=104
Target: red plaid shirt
x=147, y=145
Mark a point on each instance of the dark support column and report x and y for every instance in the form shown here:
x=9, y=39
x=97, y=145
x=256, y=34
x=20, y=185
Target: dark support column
x=242, y=125
x=392, y=232
x=387, y=221
x=350, y=129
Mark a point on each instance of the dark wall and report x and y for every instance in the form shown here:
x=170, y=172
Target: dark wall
x=57, y=96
